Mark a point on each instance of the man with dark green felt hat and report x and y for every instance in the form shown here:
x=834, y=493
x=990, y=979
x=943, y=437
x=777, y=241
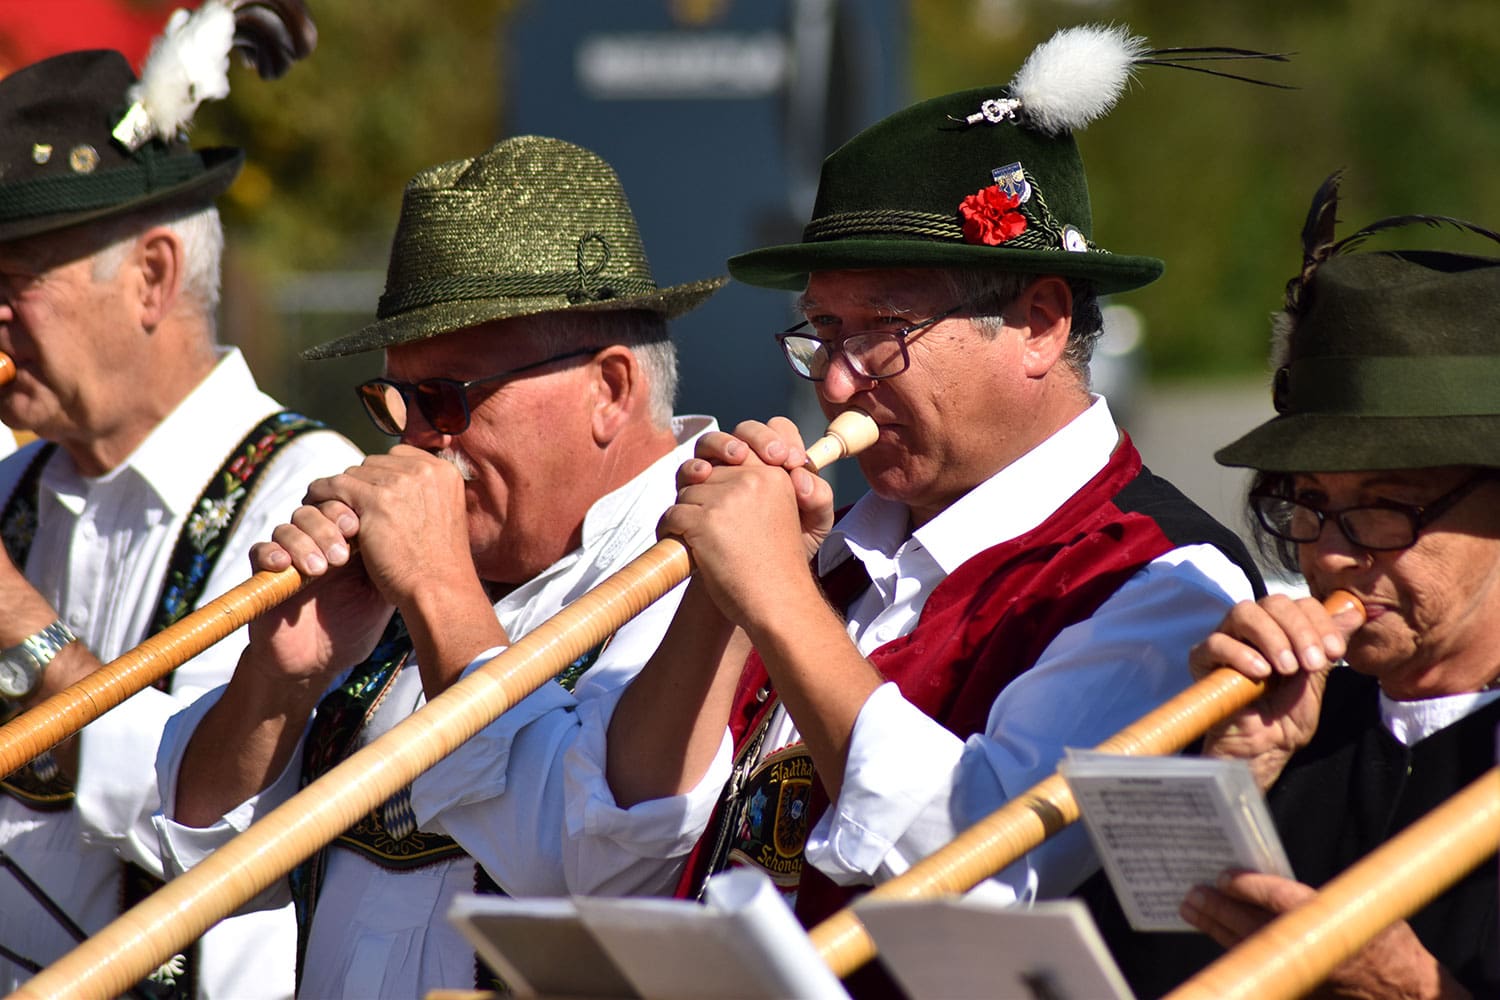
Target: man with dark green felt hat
x=1015, y=582
x=158, y=464
x=530, y=378
x=1379, y=476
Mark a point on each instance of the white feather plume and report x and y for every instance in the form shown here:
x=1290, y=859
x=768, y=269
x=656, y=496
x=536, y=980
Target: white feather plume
x=1076, y=76
x=187, y=65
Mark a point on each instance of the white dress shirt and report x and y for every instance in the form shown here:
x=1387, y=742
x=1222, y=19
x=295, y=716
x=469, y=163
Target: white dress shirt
x=911, y=785
x=378, y=932
x=100, y=557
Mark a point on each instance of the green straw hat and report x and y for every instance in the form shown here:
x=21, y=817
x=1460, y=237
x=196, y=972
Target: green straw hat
x=534, y=225
x=1391, y=360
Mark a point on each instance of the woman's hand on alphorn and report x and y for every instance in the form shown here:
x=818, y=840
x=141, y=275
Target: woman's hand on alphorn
x=1394, y=964
x=1290, y=644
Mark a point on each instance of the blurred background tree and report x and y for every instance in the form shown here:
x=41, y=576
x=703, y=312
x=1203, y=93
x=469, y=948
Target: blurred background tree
x=1215, y=176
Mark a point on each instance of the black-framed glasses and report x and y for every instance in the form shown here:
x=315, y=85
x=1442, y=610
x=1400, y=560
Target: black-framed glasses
x=1380, y=527
x=874, y=354
x=443, y=402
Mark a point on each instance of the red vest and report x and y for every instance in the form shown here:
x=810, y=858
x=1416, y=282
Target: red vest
x=990, y=620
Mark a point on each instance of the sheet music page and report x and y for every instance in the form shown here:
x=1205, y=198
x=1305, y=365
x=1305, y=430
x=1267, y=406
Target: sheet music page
x=540, y=947
x=938, y=949
x=744, y=943
x=1162, y=825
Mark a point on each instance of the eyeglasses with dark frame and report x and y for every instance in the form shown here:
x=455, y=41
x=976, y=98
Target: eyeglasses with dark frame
x=873, y=354
x=443, y=402
x=1379, y=527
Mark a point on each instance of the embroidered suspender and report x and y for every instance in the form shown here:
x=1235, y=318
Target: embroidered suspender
x=763, y=815
x=217, y=512
x=386, y=836
x=40, y=784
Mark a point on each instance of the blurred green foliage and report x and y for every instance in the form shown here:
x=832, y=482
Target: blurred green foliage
x=393, y=87
x=1215, y=176
x=1212, y=175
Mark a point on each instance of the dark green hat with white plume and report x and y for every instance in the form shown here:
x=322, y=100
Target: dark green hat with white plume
x=83, y=140
x=989, y=177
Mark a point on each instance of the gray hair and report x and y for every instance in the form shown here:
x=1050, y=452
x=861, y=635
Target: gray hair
x=641, y=330
x=989, y=291
x=202, y=236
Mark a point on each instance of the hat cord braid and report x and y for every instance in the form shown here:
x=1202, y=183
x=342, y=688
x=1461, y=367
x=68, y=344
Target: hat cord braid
x=1043, y=233
x=465, y=288
x=582, y=292
x=59, y=193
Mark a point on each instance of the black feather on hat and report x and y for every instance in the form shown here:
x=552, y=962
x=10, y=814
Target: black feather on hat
x=1385, y=359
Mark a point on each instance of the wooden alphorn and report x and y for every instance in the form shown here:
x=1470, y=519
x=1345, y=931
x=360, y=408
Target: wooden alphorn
x=178, y=913
x=49, y=722
x=54, y=719
x=1044, y=809
x=1295, y=952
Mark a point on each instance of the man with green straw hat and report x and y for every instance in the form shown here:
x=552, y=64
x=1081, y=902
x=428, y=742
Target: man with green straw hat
x=1377, y=476
x=159, y=462
x=530, y=379
x=1015, y=581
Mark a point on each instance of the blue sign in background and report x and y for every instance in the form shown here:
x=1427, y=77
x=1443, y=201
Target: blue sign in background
x=716, y=116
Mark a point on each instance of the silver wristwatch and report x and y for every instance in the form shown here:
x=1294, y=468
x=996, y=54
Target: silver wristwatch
x=21, y=665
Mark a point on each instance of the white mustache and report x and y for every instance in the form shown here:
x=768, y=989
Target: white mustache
x=459, y=461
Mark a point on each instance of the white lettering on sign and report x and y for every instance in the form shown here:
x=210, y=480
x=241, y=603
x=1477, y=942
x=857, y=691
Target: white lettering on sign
x=682, y=66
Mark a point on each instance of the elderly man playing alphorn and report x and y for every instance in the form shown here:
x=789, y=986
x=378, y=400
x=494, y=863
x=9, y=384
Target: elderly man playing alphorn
x=1014, y=582
x=158, y=463
x=529, y=375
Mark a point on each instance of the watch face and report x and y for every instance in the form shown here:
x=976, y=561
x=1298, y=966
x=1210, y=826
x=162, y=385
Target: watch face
x=15, y=679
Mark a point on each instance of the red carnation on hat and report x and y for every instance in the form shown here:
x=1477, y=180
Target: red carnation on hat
x=990, y=216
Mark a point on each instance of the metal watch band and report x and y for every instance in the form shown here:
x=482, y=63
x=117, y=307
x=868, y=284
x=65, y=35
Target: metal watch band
x=46, y=644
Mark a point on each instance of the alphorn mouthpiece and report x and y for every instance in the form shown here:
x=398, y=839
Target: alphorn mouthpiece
x=850, y=433
x=7, y=369
x=1341, y=601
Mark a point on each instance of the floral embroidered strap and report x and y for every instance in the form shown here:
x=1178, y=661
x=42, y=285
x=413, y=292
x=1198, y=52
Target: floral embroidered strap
x=218, y=510
x=41, y=785
x=386, y=836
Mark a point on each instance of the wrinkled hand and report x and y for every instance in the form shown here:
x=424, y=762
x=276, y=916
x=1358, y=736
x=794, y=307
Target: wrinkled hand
x=1394, y=965
x=1289, y=643
x=411, y=520
x=405, y=510
x=752, y=515
x=334, y=620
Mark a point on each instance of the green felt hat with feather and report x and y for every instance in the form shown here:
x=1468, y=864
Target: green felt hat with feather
x=1384, y=359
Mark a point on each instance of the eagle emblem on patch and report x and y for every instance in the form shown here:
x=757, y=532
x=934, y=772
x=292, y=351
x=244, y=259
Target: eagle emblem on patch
x=771, y=830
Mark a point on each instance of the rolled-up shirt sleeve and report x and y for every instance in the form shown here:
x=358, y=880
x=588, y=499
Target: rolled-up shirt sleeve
x=910, y=786
x=183, y=847
x=508, y=795
x=640, y=850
